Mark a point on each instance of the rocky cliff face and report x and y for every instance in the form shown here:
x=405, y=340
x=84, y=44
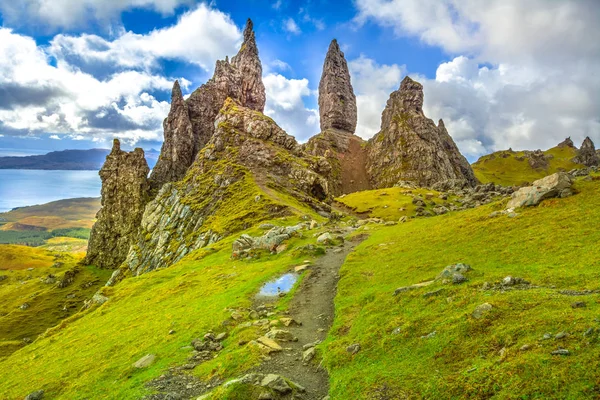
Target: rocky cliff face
x=240, y=79
x=231, y=186
x=337, y=102
x=124, y=196
x=343, y=150
x=411, y=148
x=177, y=152
x=587, y=155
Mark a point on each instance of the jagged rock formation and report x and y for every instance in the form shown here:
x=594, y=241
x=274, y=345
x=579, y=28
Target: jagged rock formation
x=566, y=143
x=337, y=143
x=177, y=153
x=124, y=196
x=227, y=189
x=410, y=147
x=555, y=185
x=240, y=80
x=337, y=102
x=190, y=123
x=587, y=155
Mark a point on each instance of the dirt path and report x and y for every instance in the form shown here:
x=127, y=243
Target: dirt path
x=312, y=305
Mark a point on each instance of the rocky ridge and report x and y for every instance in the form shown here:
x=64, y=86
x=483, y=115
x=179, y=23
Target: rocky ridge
x=410, y=147
x=124, y=196
x=587, y=155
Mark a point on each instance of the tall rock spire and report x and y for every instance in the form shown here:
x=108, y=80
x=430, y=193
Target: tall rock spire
x=248, y=64
x=124, y=195
x=410, y=147
x=177, y=153
x=337, y=102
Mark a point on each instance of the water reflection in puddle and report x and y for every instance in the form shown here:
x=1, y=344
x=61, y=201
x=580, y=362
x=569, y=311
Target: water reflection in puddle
x=283, y=284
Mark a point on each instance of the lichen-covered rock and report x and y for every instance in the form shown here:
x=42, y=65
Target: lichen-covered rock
x=124, y=196
x=410, y=147
x=587, y=155
x=269, y=241
x=337, y=102
x=555, y=185
x=240, y=79
x=177, y=153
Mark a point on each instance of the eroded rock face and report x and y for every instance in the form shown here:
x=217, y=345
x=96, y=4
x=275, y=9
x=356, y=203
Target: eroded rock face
x=177, y=153
x=225, y=189
x=337, y=102
x=410, y=147
x=240, y=79
x=124, y=196
x=587, y=155
x=555, y=185
x=566, y=143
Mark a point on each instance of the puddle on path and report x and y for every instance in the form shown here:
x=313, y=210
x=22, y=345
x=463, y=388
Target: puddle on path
x=283, y=284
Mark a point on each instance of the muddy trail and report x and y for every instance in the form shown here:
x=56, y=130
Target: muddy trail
x=312, y=306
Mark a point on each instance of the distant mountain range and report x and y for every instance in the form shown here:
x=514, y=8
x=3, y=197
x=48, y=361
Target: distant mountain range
x=67, y=160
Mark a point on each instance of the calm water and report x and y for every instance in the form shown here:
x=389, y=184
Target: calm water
x=21, y=187
x=281, y=285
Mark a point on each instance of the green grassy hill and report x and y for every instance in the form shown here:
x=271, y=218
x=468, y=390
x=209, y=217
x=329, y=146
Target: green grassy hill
x=509, y=167
x=422, y=343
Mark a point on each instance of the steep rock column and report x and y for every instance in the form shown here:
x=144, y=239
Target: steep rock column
x=337, y=102
x=177, y=152
x=124, y=196
x=248, y=64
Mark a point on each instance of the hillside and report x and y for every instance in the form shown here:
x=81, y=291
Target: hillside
x=510, y=167
x=66, y=160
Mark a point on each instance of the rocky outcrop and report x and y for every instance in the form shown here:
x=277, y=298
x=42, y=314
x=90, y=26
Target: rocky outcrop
x=555, y=185
x=337, y=102
x=587, y=155
x=177, y=153
x=226, y=189
x=411, y=148
x=337, y=143
x=566, y=143
x=124, y=196
x=346, y=158
x=240, y=79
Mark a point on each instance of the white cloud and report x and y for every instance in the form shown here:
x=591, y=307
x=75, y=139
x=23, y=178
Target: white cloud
x=97, y=88
x=55, y=137
x=280, y=65
x=286, y=106
x=276, y=5
x=524, y=74
x=77, y=13
x=289, y=25
x=372, y=85
x=200, y=36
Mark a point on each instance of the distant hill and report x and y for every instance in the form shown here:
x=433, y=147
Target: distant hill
x=67, y=160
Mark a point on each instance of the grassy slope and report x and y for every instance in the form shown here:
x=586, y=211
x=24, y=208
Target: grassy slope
x=509, y=171
x=48, y=304
x=555, y=244
x=69, y=213
x=389, y=204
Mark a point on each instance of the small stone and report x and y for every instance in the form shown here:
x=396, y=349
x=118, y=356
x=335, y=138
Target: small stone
x=458, y=278
x=171, y=332
x=508, y=281
x=579, y=304
x=429, y=335
x=481, y=310
x=280, y=334
x=37, y=395
x=253, y=315
x=301, y=268
x=266, y=227
x=289, y=322
x=560, y=352
x=269, y=343
x=486, y=286
x=265, y=396
x=589, y=332
x=325, y=238
x=236, y=316
x=221, y=336
x=547, y=336
x=353, y=348
x=397, y=331
x=145, y=361
x=24, y=306
x=308, y=355
x=276, y=383
x=561, y=335
x=525, y=347
x=209, y=336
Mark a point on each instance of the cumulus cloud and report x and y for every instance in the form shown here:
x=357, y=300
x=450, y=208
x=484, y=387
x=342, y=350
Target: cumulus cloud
x=285, y=105
x=55, y=137
x=523, y=74
x=77, y=13
x=200, y=37
x=372, y=85
x=53, y=88
x=290, y=26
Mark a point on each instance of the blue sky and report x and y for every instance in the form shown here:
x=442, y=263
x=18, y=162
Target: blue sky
x=501, y=73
